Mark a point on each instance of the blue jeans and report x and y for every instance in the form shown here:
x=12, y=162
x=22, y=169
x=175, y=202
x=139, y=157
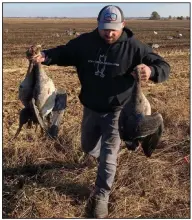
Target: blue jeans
x=100, y=138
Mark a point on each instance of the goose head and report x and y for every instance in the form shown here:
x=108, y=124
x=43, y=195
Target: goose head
x=34, y=50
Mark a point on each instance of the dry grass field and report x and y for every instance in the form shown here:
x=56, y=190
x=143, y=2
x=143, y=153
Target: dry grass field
x=43, y=178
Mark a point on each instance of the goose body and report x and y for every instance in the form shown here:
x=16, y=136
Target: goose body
x=38, y=94
x=136, y=124
x=44, y=91
x=37, y=85
x=26, y=87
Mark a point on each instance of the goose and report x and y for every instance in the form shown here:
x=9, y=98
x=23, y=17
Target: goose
x=137, y=126
x=169, y=38
x=77, y=34
x=179, y=34
x=26, y=87
x=40, y=98
x=155, y=46
x=44, y=91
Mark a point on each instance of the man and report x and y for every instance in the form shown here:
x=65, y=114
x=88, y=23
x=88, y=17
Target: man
x=105, y=59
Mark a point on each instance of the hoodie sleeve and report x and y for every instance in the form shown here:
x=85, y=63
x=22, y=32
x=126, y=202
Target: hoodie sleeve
x=160, y=69
x=64, y=55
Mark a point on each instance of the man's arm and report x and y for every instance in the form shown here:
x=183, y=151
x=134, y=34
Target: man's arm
x=64, y=55
x=150, y=65
x=160, y=69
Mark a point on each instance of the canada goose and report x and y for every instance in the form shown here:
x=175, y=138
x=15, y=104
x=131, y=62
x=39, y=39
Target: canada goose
x=137, y=125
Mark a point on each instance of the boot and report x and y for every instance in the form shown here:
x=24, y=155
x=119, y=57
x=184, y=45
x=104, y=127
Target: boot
x=97, y=206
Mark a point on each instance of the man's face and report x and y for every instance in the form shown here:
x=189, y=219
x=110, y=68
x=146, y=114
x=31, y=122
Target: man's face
x=110, y=36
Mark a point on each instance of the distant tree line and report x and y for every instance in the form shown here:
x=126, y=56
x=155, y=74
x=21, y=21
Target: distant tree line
x=179, y=18
x=155, y=16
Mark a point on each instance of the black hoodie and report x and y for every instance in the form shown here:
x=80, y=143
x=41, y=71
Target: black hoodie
x=104, y=69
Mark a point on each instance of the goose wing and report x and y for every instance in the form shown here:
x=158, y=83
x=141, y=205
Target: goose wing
x=57, y=113
x=150, y=142
x=139, y=125
x=148, y=125
x=60, y=100
x=146, y=130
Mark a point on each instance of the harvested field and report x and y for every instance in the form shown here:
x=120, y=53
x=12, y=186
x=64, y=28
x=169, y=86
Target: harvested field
x=52, y=179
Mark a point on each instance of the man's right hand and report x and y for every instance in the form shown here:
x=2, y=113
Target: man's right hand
x=30, y=54
x=39, y=58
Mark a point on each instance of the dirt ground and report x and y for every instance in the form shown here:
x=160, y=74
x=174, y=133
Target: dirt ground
x=52, y=179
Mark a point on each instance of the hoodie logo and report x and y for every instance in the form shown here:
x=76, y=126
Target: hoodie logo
x=101, y=66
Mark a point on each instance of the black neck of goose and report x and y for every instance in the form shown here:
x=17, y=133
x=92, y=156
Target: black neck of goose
x=30, y=68
x=38, y=66
x=137, y=92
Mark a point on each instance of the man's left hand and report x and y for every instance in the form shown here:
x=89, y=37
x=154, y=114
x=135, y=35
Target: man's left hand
x=144, y=70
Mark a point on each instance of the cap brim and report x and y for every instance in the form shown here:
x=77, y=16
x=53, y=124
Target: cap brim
x=110, y=26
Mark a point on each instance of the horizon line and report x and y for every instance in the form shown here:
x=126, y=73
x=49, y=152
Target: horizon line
x=82, y=17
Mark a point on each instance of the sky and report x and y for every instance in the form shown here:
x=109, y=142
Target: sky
x=88, y=9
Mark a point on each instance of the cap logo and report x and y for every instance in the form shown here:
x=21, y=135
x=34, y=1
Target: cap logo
x=110, y=17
